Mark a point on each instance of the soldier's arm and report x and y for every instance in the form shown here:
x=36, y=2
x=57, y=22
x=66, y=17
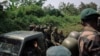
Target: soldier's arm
x=93, y=43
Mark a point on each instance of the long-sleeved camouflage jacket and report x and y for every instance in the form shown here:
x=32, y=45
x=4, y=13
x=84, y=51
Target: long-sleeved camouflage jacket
x=89, y=44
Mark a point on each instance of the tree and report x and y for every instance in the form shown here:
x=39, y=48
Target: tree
x=50, y=10
x=62, y=8
x=40, y=2
x=68, y=9
x=82, y=6
x=47, y=9
x=93, y=5
x=89, y=5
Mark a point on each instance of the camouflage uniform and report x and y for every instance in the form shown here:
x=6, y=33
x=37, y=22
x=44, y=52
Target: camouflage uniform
x=89, y=40
x=61, y=36
x=42, y=27
x=54, y=37
x=47, y=38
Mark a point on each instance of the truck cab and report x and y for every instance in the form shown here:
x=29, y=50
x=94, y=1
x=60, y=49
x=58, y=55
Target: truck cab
x=22, y=43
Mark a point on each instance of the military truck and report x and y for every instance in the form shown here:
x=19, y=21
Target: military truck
x=20, y=43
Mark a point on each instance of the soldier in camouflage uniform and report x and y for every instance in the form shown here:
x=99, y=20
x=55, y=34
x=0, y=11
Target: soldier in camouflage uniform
x=61, y=36
x=54, y=37
x=49, y=30
x=89, y=40
x=37, y=28
x=42, y=28
x=32, y=27
x=47, y=38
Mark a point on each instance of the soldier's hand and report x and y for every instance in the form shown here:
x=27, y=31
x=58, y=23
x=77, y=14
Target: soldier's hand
x=57, y=44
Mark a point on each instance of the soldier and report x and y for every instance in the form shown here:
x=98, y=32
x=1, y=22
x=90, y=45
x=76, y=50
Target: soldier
x=32, y=27
x=47, y=38
x=61, y=36
x=42, y=27
x=37, y=28
x=49, y=30
x=54, y=37
x=89, y=40
x=32, y=49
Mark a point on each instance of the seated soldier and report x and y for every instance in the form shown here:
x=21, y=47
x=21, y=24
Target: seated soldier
x=32, y=50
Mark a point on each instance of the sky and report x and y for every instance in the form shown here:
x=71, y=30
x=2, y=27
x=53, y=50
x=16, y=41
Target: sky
x=56, y=3
x=1, y=0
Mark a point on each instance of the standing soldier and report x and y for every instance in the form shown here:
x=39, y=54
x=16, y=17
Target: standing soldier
x=32, y=27
x=54, y=37
x=61, y=36
x=47, y=38
x=42, y=28
x=49, y=30
x=89, y=40
x=37, y=28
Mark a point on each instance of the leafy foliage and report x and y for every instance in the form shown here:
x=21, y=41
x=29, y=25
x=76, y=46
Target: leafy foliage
x=19, y=14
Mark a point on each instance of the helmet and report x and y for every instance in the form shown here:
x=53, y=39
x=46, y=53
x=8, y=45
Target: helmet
x=72, y=45
x=58, y=51
x=74, y=34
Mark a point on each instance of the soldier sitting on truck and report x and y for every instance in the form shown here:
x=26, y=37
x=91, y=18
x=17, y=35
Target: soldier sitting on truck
x=32, y=49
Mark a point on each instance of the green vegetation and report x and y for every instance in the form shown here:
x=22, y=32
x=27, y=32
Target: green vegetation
x=18, y=15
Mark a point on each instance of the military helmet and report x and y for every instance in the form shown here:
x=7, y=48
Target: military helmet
x=72, y=45
x=87, y=12
x=74, y=34
x=58, y=51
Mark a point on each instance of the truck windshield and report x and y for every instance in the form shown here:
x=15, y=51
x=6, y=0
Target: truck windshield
x=10, y=46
